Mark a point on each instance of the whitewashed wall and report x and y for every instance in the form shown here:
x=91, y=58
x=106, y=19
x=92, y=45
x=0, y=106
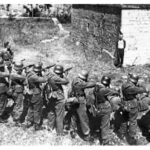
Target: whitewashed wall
x=136, y=29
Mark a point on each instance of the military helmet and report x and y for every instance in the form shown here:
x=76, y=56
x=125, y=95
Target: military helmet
x=18, y=65
x=105, y=80
x=37, y=67
x=58, y=69
x=83, y=74
x=134, y=78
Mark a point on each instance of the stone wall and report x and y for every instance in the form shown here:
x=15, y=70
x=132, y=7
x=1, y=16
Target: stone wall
x=26, y=30
x=136, y=29
x=96, y=27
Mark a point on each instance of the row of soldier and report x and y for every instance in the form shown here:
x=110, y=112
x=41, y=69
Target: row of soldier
x=32, y=87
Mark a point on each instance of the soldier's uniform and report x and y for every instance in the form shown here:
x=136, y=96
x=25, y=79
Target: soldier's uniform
x=56, y=105
x=3, y=90
x=36, y=101
x=7, y=55
x=130, y=110
x=17, y=85
x=103, y=108
x=79, y=84
x=144, y=124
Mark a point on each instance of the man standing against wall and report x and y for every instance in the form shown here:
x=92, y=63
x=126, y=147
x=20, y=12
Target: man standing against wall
x=121, y=45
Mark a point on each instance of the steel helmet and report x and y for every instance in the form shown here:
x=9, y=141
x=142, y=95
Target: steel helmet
x=83, y=74
x=37, y=67
x=105, y=80
x=58, y=69
x=134, y=78
x=18, y=65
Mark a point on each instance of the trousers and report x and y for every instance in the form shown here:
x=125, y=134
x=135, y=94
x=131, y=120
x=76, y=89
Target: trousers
x=35, y=109
x=56, y=113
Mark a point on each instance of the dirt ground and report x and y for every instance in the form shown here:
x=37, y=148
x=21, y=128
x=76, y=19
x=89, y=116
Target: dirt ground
x=60, y=50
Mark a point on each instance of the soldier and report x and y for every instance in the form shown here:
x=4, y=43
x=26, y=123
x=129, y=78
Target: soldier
x=79, y=84
x=38, y=69
x=3, y=90
x=56, y=104
x=17, y=85
x=7, y=55
x=36, y=101
x=103, y=107
x=129, y=111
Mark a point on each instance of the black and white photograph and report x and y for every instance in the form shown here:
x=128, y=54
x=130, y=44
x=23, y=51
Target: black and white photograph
x=74, y=74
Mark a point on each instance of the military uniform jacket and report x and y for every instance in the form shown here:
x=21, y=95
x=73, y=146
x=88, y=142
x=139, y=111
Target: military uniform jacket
x=3, y=82
x=101, y=93
x=79, y=86
x=34, y=82
x=17, y=82
x=56, y=83
x=129, y=91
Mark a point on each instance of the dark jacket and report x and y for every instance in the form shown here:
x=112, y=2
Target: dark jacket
x=56, y=83
x=79, y=86
x=17, y=82
x=34, y=82
x=101, y=93
x=3, y=82
x=129, y=91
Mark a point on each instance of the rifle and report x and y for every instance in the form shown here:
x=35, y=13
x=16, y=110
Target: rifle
x=48, y=67
x=67, y=70
x=28, y=66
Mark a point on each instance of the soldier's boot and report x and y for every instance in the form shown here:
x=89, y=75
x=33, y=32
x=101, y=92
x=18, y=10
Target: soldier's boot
x=132, y=140
x=51, y=129
x=3, y=120
x=38, y=127
x=73, y=134
x=121, y=136
x=18, y=123
x=28, y=125
x=106, y=142
x=88, y=138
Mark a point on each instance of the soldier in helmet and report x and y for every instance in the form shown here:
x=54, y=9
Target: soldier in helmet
x=3, y=90
x=38, y=69
x=17, y=85
x=56, y=104
x=78, y=86
x=103, y=107
x=129, y=111
x=36, y=101
x=7, y=55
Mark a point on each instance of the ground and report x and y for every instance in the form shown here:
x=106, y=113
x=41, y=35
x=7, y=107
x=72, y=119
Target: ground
x=61, y=50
